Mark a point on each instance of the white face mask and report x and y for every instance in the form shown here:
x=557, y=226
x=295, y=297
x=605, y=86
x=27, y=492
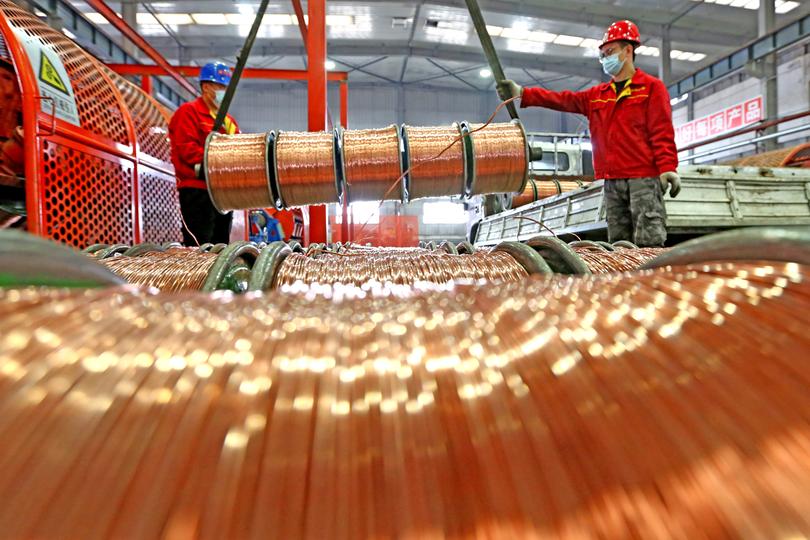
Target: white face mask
x=611, y=64
x=219, y=95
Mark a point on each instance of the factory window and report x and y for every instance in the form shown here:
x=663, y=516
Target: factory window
x=366, y=212
x=443, y=213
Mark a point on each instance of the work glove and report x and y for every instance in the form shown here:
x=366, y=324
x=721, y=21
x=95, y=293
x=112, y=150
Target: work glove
x=672, y=181
x=508, y=89
x=198, y=171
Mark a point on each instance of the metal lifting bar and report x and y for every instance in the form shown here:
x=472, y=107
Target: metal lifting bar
x=240, y=66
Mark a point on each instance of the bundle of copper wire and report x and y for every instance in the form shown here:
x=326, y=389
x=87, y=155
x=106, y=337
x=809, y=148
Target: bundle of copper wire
x=601, y=261
x=501, y=159
x=387, y=265
x=670, y=405
x=536, y=190
x=171, y=270
x=432, y=176
x=372, y=163
x=795, y=156
x=305, y=168
x=237, y=170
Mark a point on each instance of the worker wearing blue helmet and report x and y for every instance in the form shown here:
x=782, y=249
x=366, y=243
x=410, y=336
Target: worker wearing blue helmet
x=188, y=129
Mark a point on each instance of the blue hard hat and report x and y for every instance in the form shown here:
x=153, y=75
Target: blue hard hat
x=216, y=72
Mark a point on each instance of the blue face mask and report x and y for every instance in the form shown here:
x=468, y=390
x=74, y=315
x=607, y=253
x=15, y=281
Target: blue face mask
x=219, y=95
x=611, y=64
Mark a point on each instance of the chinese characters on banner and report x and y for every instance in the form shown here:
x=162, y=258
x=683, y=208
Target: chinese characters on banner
x=735, y=117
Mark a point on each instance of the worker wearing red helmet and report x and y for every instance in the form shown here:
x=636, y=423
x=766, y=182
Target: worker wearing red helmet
x=188, y=129
x=632, y=135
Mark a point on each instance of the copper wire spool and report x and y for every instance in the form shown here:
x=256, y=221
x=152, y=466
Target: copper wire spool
x=372, y=163
x=430, y=176
x=238, y=171
x=795, y=156
x=358, y=266
x=621, y=260
x=305, y=168
x=172, y=270
x=500, y=158
x=658, y=406
x=537, y=190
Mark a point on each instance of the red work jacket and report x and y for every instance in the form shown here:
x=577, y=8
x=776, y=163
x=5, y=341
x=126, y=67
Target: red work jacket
x=631, y=133
x=190, y=125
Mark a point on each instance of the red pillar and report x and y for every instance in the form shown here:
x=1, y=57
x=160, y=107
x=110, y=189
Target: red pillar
x=146, y=84
x=316, y=95
x=345, y=229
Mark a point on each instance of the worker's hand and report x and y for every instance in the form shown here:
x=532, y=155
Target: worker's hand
x=508, y=89
x=198, y=171
x=671, y=180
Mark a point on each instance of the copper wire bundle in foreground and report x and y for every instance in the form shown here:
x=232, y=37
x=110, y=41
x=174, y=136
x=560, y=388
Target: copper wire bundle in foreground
x=172, y=270
x=305, y=167
x=500, y=158
x=237, y=171
x=672, y=404
x=621, y=260
x=432, y=176
x=397, y=266
x=372, y=164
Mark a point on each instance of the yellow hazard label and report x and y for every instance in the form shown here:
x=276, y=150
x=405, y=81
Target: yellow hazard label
x=49, y=75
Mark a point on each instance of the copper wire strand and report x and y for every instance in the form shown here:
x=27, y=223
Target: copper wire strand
x=358, y=267
x=371, y=159
x=500, y=157
x=443, y=411
x=443, y=172
x=237, y=171
x=620, y=260
x=305, y=167
x=172, y=270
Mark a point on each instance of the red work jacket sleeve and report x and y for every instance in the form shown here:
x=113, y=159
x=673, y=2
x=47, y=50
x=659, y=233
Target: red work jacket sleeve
x=660, y=130
x=566, y=101
x=184, y=134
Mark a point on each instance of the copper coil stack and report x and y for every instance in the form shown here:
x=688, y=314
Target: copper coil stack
x=372, y=163
x=500, y=158
x=796, y=156
x=437, y=161
x=537, y=190
x=601, y=261
x=305, y=169
x=358, y=266
x=670, y=405
x=172, y=270
x=238, y=171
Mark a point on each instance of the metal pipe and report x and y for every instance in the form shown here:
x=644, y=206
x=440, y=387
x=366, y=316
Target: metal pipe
x=222, y=113
x=489, y=49
x=790, y=131
x=130, y=33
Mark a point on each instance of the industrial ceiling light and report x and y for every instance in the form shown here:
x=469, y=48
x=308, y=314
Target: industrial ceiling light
x=485, y=73
x=329, y=65
x=175, y=19
x=209, y=19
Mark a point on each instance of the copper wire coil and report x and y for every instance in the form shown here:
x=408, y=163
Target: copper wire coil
x=430, y=176
x=237, y=170
x=500, y=159
x=795, y=156
x=536, y=190
x=372, y=163
x=173, y=270
x=305, y=168
x=546, y=408
x=360, y=266
x=621, y=260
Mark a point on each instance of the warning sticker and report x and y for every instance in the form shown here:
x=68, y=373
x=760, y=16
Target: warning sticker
x=52, y=79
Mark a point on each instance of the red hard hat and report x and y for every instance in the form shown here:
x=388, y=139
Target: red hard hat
x=622, y=31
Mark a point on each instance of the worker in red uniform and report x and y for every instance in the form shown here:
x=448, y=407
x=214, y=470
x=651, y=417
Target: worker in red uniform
x=632, y=135
x=188, y=129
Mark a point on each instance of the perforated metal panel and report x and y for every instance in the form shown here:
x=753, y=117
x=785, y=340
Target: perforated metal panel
x=160, y=207
x=4, y=55
x=97, y=99
x=151, y=121
x=87, y=199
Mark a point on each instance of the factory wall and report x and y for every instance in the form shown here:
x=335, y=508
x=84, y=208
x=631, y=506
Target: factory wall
x=793, y=83
x=264, y=105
